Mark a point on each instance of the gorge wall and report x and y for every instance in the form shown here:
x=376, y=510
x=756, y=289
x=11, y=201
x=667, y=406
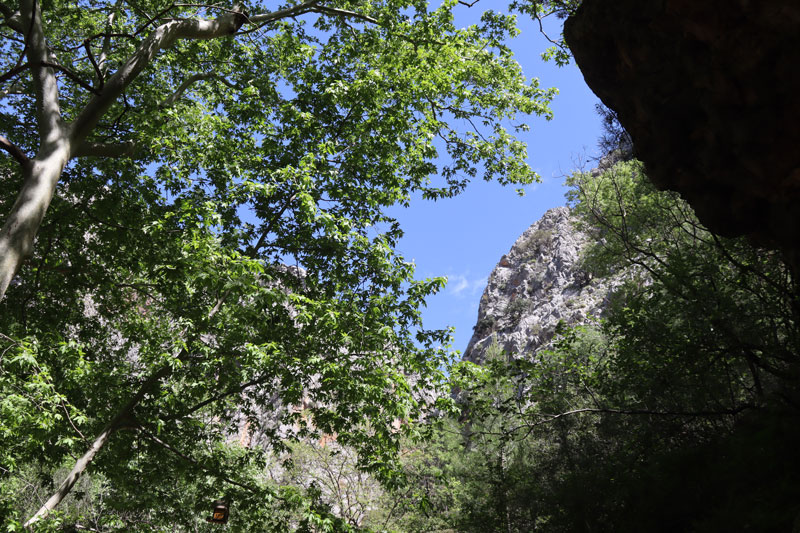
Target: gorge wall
x=538, y=283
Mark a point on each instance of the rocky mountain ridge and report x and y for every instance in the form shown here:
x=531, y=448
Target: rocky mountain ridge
x=538, y=283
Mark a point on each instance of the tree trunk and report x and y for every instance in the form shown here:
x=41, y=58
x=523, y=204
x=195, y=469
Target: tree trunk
x=19, y=231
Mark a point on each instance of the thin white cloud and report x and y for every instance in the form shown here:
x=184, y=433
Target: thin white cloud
x=457, y=284
x=462, y=286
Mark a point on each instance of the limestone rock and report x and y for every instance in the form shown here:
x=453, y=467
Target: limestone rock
x=537, y=284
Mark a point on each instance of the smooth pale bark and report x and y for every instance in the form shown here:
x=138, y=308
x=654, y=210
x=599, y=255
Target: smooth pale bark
x=42, y=174
x=22, y=224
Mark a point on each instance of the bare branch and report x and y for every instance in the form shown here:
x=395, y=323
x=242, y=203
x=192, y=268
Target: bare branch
x=151, y=20
x=15, y=152
x=71, y=75
x=548, y=418
x=691, y=414
x=12, y=18
x=538, y=17
x=268, y=229
x=747, y=268
x=88, y=47
x=266, y=18
x=13, y=72
x=188, y=459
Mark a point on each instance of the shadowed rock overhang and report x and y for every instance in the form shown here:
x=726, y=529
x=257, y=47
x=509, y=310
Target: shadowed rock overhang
x=710, y=94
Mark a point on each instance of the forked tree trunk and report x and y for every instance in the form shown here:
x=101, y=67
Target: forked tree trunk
x=58, y=139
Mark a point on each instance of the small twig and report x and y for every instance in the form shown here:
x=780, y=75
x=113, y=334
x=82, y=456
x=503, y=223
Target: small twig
x=71, y=75
x=123, y=149
x=69, y=418
x=252, y=252
x=538, y=18
x=235, y=390
x=152, y=19
x=188, y=459
x=100, y=79
x=108, y=35
x=188, y=82
x=125, y=109
x=13, y=343
x=647, y=412
x=13, y=72
x=344, y=13
x=747, y=268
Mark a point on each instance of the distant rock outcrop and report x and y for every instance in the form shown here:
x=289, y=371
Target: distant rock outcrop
x=708, y=91
x=537, y=284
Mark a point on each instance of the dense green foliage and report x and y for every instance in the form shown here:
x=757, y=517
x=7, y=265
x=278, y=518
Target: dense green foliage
x=217, y=251
x=214, y=301
x=677, y=411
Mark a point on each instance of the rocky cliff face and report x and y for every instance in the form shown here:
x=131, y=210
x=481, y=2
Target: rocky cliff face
x=708, y=91
x=537, y=284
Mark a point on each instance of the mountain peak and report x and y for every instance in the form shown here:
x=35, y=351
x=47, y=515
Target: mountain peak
x=538, y=283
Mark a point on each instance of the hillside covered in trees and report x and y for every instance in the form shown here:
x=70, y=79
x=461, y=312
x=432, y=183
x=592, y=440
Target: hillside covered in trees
x=202, y=306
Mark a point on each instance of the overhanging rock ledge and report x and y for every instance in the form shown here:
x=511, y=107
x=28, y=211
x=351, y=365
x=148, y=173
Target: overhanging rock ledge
x=710, y=94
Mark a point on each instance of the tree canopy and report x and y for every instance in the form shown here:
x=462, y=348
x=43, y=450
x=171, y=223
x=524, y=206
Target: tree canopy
x=195, y=247
x=201, y=299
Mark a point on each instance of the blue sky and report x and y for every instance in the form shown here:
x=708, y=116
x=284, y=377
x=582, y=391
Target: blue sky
x=463, y=238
